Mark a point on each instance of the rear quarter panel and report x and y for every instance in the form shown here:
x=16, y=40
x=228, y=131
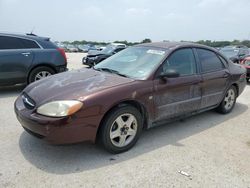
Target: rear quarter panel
x=236, y=76
x=51, y=57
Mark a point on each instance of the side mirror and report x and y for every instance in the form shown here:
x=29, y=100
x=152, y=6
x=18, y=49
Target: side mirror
x=170, y=73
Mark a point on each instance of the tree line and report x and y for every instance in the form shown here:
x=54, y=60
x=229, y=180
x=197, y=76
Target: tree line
x=146, y=40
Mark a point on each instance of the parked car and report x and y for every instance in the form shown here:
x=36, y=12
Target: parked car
x=235, y=53
x=246, y=63
x=72, y=48
x=86, y=48
x=96, y=57
x=62, y=46
x=138, y=88
x=81, y=48
x=28, y=58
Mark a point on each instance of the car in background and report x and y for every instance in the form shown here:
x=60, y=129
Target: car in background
x=246, y=63
x=87, y=47
x=235, y=53
x=99, y=47
x=72, y=48
x=28, y=58
x=138, y=88
x=62, y=46
x=95, y=57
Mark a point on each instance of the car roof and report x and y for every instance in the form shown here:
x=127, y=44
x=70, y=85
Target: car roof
x=27, y=36
x=173, y=45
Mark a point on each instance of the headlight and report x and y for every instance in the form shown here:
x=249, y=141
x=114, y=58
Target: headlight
x=60, y=108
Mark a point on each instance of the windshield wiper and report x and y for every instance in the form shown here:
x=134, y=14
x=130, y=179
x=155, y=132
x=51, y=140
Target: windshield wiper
x=111, y=71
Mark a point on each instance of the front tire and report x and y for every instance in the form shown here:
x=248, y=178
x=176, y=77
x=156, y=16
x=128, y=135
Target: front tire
x=121, y=129
x=228, y=101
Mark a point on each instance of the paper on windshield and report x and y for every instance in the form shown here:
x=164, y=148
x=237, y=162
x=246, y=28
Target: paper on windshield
x=157, y=52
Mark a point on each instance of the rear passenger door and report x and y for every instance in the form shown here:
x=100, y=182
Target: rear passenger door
x=215, y=77
x=15, y=59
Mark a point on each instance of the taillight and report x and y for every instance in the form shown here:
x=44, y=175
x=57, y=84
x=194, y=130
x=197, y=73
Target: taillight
x=62, y=52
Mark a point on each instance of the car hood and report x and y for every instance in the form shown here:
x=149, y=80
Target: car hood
x=75, y=84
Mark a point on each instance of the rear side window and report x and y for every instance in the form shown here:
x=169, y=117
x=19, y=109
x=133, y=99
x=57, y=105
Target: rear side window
x=10, y=43
x=182, y=61
x=209, y=61
x=7, y=43
x=28, y=44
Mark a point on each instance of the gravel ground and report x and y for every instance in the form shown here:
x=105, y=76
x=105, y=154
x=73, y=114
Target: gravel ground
x=213, y=149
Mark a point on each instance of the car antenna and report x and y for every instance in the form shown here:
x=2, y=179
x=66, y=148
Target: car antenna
x=31, y=33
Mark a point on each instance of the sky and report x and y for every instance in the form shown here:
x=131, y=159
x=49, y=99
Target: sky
x=131, y=20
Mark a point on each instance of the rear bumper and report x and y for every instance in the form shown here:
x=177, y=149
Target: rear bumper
x=63, y=130
x=62, y=68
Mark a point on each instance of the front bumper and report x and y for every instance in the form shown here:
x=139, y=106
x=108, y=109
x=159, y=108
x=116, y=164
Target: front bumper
x=63, y=130
x=89, y=62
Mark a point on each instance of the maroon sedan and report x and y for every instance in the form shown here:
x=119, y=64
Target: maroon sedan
x=139, y=87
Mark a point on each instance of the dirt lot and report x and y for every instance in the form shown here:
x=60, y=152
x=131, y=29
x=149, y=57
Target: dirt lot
x=213, y=149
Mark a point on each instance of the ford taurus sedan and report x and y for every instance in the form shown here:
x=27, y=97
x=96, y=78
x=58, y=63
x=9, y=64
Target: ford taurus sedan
x=138, y=88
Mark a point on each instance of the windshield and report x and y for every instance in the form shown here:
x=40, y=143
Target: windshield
x=229, y=52
x=109, y=49
x=134, y=62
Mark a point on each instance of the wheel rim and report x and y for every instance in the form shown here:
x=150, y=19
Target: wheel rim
x=41, y=75
x=229, y=99
x=123, y=130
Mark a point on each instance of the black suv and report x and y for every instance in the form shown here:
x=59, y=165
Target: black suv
x=27, y=58
x=95, y=57
x=235, y=53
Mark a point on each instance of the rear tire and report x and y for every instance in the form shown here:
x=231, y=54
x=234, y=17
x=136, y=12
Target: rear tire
x=228, y=101
x=40, y=73
x=121, y=129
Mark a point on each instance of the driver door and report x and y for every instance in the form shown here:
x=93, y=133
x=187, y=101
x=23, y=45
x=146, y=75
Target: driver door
x=181, y=95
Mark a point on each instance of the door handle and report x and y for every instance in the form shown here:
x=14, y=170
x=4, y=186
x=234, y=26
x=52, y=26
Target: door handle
x=26, y=53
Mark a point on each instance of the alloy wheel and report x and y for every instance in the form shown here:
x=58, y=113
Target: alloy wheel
x=123, y=130
x=229, y=99
x=42, y=74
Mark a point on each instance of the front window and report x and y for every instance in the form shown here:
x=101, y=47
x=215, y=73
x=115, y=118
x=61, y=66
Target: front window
x=183, y=61
x=134, y=62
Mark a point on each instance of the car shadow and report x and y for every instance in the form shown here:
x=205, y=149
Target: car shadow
x=85, y=156
x=11, y=91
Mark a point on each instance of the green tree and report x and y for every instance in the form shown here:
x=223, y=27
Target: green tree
x=146, y=40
